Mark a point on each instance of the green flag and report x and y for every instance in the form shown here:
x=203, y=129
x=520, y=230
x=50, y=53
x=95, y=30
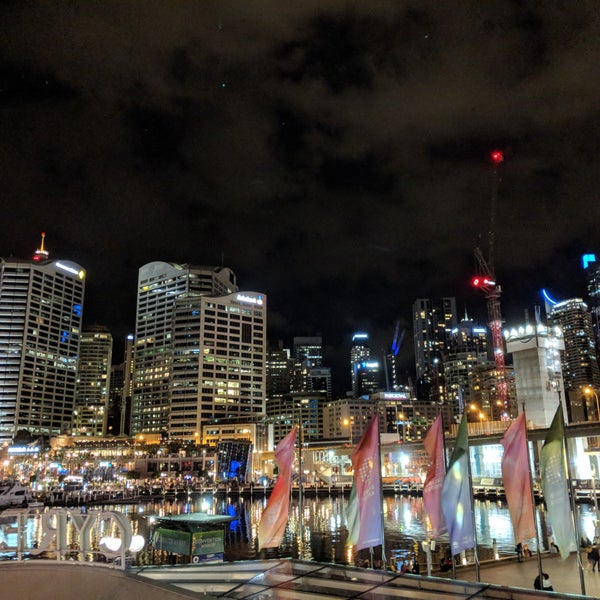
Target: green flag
x=553, y=473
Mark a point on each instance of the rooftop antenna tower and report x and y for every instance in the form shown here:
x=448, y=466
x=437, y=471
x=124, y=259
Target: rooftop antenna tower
x=41, y=253
x=485, y=280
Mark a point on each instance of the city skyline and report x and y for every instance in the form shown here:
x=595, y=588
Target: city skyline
x=334, y=156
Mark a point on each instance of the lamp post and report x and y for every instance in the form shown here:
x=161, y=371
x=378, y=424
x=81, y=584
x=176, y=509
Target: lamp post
x=348, y=423
x=590, y=391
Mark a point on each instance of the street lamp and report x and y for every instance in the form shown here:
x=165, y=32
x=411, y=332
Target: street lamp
x=348, y=423
x=590, y=391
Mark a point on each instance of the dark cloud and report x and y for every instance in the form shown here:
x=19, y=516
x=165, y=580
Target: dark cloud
x=333, y=154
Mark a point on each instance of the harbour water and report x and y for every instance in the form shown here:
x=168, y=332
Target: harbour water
x=321, y=533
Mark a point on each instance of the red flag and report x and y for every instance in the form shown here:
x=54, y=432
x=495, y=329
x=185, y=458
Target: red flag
x=432, y=488
x=517, y=485
x=275, y=516
x=366, y=462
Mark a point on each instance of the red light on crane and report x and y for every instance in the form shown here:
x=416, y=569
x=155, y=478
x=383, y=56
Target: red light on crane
x=476, y=281
x=497, y=157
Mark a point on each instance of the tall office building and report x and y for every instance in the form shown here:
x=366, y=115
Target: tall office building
x=580, y=359
x=90, y=415
x=159, y=285
x=280, y=367
x=431, y=324
x=41, y=307
x=307, y=354
x=121, y=393
x=219, y=360
x=359, y=353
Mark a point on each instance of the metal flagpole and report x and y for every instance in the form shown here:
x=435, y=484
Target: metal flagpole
x=572, y=499
x=300, y=495
x=476, y=556
x=441, y=413
x=535, y=523
x=383, y=557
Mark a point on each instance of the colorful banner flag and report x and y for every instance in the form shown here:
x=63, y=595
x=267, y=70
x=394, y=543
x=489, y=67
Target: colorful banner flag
x=432, y=488
x=275, y=516
x=553, y=473
x=517, y=481
x=457, y=496
x=366, y=462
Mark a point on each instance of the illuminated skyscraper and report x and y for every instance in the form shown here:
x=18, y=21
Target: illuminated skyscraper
x=41, y=307
x=219, y=360
x=432, y=323
x=580, y=359
x=93, y=382
x=159, y=285
x=359, y=353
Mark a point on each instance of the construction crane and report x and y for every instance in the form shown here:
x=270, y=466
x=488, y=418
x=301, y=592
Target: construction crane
x=485, y=280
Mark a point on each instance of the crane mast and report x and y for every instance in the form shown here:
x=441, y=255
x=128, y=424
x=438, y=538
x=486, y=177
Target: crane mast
x=486, y=281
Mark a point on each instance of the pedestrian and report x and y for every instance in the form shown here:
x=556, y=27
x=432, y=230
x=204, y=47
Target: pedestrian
x=519, y=551
x=416, y=569
x=594, y=558
x=526, y=551
x=404, y=567
x=545, y=584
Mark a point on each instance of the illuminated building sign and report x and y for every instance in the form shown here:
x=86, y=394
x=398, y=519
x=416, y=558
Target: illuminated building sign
x=71, y=270
x=52, y=533
x=258, y=300
x=23, y=449
x=586, y=259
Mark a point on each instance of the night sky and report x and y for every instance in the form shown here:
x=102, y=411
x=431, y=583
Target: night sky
x=333, y=154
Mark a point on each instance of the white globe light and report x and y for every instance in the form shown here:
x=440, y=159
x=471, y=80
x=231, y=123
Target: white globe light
x=137, y=543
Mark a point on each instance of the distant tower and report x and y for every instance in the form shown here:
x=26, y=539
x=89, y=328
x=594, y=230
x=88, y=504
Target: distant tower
x=280, y=367
x=90, y=416
x=580, y=359
x=359, y=352
x=592, y=275
x=41, y=307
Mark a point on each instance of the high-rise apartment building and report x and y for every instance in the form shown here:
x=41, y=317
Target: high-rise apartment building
x=159, y=285
x=41, y=307
x=464, y=353
x=219, y=360
x=580, y=359
x=431, y=324
x=90, y=416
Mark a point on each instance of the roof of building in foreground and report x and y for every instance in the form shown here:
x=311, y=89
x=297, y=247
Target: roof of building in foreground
x=303, y=580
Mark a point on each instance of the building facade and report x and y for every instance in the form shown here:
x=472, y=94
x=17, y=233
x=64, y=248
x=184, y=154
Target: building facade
x=90, y=416
x=219, y=360
x=159, y=285
x=41, y=308
x=580, y=358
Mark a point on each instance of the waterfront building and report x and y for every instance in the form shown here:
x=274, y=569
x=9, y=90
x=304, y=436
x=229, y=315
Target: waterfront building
x=41, y=308
x=432, y=322
x=90, y=416
x=121, y=392
x=297, y=408
x=536, y=353
x=219, y=360
x=579, y=360
x=159, y=285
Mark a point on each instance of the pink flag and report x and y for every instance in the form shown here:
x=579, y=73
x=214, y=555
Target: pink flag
x=432, y=488
x=275, y=516
x=517, y=485
x=366, y=463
